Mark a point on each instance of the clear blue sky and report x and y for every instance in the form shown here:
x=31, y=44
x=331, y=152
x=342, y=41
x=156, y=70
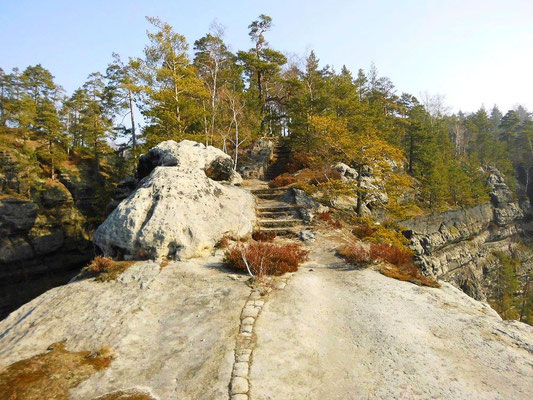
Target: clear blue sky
x=471, y=51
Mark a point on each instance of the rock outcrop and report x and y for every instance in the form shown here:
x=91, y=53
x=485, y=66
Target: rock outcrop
x=457, y=245
x=178, y=210
x=43, y=243
x=256, y=160
x=374, y=197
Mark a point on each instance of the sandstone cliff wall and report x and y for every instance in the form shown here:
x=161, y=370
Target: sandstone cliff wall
x=457, y=246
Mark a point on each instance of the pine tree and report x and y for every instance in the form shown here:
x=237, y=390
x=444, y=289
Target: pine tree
x=174, y=91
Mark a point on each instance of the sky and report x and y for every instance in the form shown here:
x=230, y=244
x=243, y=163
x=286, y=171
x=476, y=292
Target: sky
x=472, y=52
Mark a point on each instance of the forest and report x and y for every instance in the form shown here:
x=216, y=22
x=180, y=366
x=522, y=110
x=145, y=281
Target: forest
x=228, y=99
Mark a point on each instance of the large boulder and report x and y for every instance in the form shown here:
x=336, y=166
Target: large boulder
x=188, y=155
x=177, y=211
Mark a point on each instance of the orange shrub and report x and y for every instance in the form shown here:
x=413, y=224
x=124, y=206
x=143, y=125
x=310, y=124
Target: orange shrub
x=363, y=230
x=299, y=161
x=408, y=273
x=100, y=264
x=355, y=254
x=325, y=176
x=282, y=181
x=266, y=258
x=223, y=243
x=390, y=254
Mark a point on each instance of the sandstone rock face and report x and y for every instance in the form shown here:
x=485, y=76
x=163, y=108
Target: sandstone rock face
x=178, y=211
x=42, y=244
x=172, y=329
x=256, y=161
x=374, y=197
x=457, y=245
x=187, y=155
x=309, y=207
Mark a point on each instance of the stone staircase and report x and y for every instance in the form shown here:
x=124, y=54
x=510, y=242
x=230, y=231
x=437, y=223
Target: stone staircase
x=282, y=155
x=277, y=212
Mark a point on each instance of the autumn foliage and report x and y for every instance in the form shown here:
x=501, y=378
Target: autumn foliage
x=282, y=180
x=263, y=258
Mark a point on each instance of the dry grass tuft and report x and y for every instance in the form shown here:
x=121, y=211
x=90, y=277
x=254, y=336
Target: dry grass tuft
x=163, y=263
x=105, y=269
x=355, y=254
x=263, y=258
x=50, y=375
x=391, y=254
x=408, y=273
x=131, y=394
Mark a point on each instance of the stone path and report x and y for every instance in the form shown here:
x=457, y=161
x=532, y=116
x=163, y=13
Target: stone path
x=240, y=385
x=340, y=333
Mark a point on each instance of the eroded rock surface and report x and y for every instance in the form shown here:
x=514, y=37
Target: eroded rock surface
x=177, y=211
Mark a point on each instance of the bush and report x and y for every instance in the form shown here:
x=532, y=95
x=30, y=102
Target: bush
x=265, y=258
x=355, y=254
x=324, y=216
x=105, y=269
x=223, y=243
x=390, y=254
x=299, y=161
x=325, y=176
x=282, y=180
x=363, y=228
x=100, y=264
x=261, y=236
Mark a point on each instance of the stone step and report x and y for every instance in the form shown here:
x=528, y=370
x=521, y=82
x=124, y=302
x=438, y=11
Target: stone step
x=278, y=214
x=269, y=191
x=277, y=208
x=279, y=223
x=268, y=196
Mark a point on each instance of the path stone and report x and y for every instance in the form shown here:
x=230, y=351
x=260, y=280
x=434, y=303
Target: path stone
x=239, y=397
x=246, y=329
x=239, y=385
x=250, y=312
x=240, y=369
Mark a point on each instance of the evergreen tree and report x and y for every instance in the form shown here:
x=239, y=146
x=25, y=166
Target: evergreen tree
x=174, y=91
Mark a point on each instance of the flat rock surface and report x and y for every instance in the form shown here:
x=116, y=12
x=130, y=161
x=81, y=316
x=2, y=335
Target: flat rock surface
x=331, y=333
x=173, y=330
x=340, y=333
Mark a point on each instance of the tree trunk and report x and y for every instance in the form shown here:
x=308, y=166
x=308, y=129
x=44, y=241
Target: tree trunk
x=411, y=152
x=133, y=135
x=359, y=207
